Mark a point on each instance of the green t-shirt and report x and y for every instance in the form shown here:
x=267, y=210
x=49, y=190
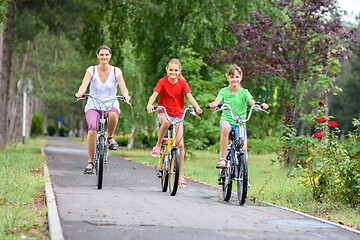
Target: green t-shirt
x=237, y=102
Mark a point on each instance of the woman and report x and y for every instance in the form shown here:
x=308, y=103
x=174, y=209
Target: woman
x=103, y=79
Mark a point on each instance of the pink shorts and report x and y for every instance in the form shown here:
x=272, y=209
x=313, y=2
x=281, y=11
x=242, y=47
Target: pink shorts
x=93, y=118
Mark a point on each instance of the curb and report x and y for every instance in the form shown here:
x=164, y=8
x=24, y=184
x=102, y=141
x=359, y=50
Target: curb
x=53, y=214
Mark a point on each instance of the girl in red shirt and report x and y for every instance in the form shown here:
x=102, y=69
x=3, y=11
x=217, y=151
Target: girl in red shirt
x=172, y=90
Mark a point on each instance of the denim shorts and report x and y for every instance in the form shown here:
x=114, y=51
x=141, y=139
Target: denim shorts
x=240, y=131
x=171, y=118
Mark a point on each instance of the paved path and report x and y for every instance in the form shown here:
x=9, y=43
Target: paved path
x=132, y=206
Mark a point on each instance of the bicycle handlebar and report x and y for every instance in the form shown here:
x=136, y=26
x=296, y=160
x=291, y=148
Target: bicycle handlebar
x=224, y=106
x=190, y=108
x=86, y=96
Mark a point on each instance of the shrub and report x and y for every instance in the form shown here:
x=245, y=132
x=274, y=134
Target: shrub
x=37, y=125
x=63, y=132
x=122, y=140
x=329, y=166
x=51, y=129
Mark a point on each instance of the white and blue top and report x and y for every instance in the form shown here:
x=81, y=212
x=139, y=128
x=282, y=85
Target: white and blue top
x=106, y=91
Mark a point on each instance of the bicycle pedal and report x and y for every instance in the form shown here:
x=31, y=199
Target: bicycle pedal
x=219, y=181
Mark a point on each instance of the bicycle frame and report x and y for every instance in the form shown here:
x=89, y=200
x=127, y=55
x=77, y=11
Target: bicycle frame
x=169, y=159
x=101, y=149
x=235, y=170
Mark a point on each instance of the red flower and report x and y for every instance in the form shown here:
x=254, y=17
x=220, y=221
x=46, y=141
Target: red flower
x=321, y=103
x=332, y=124
x=318, y=135
x=322, y=120
x=352, y=156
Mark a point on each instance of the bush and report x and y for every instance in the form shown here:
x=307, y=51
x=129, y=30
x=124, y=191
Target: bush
x=63, y=132
x=51, y=129
x=326, y=164
x=122, y=140
x=37, y=125
x=143, y=140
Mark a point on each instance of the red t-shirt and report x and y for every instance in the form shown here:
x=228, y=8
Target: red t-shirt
x=172, y=96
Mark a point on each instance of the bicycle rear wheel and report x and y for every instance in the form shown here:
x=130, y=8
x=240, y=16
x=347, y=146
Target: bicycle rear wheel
x=226, y=181
x=100, y=162
x=174, y=171
x=165, y=176
x=242, y=179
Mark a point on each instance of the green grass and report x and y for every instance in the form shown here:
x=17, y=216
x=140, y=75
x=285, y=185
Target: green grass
x=22, y=208
x=269, y=182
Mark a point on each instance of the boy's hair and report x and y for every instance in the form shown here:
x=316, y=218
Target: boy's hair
x=103, y=47
x=233, y=68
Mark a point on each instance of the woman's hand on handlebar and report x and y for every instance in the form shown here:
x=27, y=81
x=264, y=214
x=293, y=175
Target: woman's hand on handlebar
x=127, y=99
x=78, y=95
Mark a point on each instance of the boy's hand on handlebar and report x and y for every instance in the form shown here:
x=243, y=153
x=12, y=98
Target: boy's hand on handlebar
x=264, y=106
x=213, y=105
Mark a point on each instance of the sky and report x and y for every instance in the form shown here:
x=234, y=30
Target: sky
x=352, y=7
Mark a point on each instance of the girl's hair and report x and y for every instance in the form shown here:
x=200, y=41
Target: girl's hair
x=103, y=47
x=233, y=68
x=177, y=62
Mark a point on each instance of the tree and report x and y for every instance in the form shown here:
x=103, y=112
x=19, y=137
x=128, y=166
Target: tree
x=293, y=47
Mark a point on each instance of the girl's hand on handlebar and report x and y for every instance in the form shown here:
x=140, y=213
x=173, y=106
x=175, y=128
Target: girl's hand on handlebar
x=198, y=110
x=150, y=108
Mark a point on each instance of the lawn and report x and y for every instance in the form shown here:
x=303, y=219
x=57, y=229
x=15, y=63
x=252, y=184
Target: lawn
x=22, y=197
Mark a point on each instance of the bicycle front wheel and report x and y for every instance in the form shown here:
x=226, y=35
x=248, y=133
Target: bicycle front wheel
x=174, y=171
x=242, y=179
x=100, y=162
x=226, y=181
x=165, y=176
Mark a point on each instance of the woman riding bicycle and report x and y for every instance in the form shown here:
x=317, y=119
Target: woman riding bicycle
x=103, y=79
x=236, y=96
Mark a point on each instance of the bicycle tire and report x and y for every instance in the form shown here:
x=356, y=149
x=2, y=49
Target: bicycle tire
x=227, y=182
x=100, y=167
x=242, y=179
x=165, y=176
x=174, y=164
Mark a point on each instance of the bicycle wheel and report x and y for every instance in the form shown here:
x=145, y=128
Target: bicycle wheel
x=242, y=179
x=165, y=176
x=227, y=182
x=100, y=162
x=174, y=171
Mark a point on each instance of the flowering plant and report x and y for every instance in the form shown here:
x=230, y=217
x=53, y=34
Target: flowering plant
x=318, y=135
x=322, y=120
x=332, y=124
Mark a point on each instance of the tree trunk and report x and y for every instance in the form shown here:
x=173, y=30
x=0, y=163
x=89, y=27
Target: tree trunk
x=5, y=78
x=30, y=102
x=132, y=138
x=16, y=116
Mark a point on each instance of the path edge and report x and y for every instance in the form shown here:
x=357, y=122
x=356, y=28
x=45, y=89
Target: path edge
x=55, y=229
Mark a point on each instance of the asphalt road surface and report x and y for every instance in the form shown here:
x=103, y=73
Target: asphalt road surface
x=132, y=206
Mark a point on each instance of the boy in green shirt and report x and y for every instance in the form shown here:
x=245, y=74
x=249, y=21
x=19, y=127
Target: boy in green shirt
x=236, y=97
